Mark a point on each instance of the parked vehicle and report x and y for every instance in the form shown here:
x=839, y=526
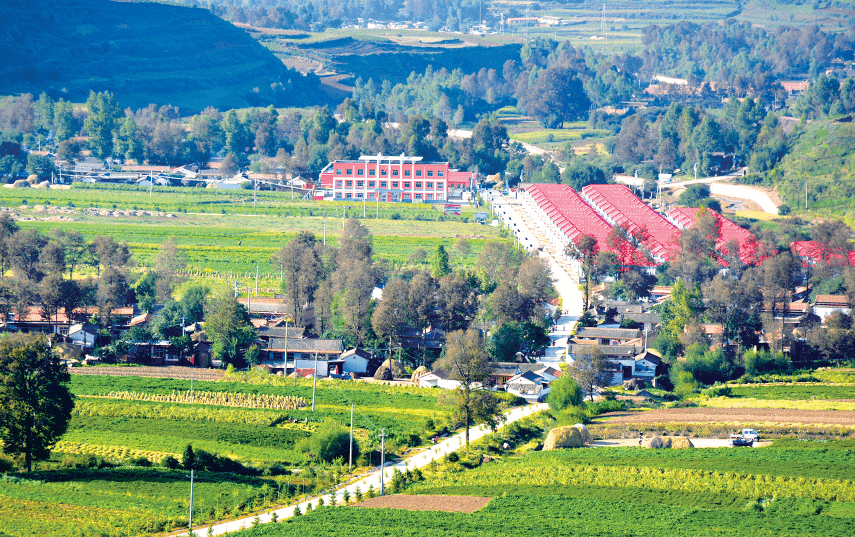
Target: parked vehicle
x=745, y=437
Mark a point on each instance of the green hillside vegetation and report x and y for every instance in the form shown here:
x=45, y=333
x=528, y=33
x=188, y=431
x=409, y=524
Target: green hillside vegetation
x=823, y=157
x=143, y=52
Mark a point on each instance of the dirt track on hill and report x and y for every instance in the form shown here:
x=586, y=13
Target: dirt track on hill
x=735, y=415
x=449, y=504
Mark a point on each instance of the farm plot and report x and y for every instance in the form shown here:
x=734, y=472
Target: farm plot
x=620, y=491
x=735, y=415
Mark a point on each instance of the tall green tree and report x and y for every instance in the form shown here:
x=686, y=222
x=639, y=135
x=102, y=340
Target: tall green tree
x=35, y=402
x=439, y=263
x=228, y=328
x=101, y=123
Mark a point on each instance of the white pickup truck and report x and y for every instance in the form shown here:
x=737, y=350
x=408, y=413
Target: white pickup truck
x=745, y=437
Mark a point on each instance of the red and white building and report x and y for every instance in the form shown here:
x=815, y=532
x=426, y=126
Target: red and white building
x=749, y=251
x=562, y=216
x=619, y=206
x=392, y=179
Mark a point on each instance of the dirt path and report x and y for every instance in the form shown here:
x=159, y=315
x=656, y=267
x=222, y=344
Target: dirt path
x=697, y=442
x=166, y=372
x=734, y=415
x=449, y=504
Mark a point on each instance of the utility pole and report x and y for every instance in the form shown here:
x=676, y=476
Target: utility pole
x=350, y=457
x=256, y=279
x=191, y=502
x=364, y=201
x=325, y=231
x=382, y=457
x=314, y=381
x=806, y=195
x=249, y=300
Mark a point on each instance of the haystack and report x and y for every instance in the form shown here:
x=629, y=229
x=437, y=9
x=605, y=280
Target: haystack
x=657, y=442
x=563, y=437
x=586, y=435
x=421, y=370
x=383, y=373
x=681, y=442
x=395, y=366
x=634, y=384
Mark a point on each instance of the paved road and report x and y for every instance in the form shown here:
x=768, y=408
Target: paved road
x=513, y=215
x=419, y=460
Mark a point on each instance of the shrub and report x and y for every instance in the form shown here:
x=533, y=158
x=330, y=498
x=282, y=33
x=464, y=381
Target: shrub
x=564, y=392
x=170, y=462
x=762, y=361
x=330, y=442
x=139, y=461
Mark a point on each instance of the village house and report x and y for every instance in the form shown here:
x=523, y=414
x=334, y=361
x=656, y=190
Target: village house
x=529, y=385
x=285, y=355
x=825, y=305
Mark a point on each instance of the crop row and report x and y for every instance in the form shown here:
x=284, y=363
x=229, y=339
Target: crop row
x=516, y=513
x=245, y=400
x=121, y=453
x=792, y=404
x=677, y=479
x=96, y=407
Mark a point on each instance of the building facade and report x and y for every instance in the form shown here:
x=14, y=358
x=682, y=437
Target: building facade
x=393, y=179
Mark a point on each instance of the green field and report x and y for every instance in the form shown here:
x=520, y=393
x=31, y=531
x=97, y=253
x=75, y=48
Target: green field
x=228, y=246
x=790, y=488
x=81, y=491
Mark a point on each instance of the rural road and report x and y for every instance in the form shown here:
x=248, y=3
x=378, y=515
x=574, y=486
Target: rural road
x=419, y=460
x=519, y=222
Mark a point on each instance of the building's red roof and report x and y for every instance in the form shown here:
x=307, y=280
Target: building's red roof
x=813, y=251
x=620, y=205
x=685, y=218
x=574, y=217
x=34, y=314
x=832, y=301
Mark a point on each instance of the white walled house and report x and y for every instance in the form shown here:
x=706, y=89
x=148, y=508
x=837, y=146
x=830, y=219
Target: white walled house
x=529, y=385
x=438, y=379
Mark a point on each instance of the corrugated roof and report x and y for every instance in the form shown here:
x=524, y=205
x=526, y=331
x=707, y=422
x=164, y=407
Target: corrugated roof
x=625, y=208
x=574, y=217
x=685, y=217
x=305, y=345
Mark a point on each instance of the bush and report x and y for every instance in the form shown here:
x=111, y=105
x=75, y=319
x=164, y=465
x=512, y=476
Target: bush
x=170, y=462
x=330, y=442
x=139, y=461
x=709, y=366
x=719, y=391
x=564, y=392
x=762, y=361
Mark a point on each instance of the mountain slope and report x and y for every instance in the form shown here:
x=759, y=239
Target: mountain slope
x=143, y=52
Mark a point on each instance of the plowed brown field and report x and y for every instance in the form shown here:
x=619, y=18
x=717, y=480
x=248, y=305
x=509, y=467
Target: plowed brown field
x=450, y=504
x=735, y=415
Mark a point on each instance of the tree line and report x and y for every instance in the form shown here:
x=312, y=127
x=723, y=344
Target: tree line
x=504, y=294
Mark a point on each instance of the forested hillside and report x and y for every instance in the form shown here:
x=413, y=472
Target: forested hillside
x=142, y=52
